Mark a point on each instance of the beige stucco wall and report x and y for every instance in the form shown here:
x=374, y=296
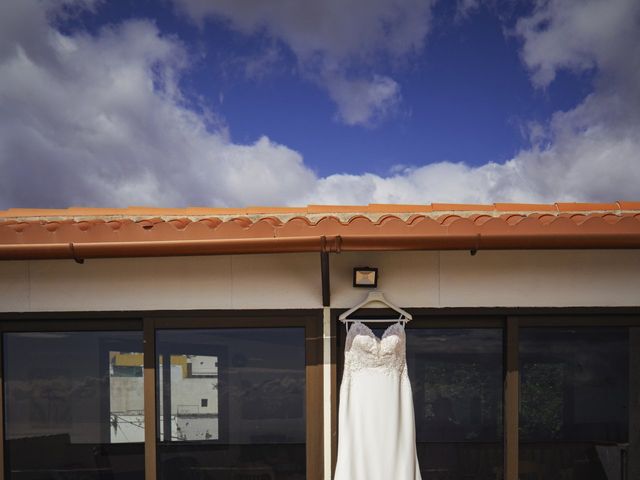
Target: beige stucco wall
x=410, y=279
x=496, y=278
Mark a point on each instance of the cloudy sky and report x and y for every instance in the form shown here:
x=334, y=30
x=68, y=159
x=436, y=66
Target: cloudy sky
x=290, y=102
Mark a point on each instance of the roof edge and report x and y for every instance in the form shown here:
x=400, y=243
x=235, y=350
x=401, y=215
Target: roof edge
x=332, y=244
x=31, y=214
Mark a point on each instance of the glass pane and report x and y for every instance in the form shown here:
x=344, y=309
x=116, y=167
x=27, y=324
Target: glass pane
x=232, y=403
x=574, y=403
x=70, y=411
x=456, y=377
x=191, y=395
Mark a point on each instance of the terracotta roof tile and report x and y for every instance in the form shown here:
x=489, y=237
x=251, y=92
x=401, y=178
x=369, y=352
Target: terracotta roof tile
x=459, y=207
x=524, y=207
x=273, y=210
x=335, y=208
x=586, y=207
x=359, y=227
x=629, y=205
x=389, y=208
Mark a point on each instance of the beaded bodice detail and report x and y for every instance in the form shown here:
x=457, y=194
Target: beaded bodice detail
x=363, y=350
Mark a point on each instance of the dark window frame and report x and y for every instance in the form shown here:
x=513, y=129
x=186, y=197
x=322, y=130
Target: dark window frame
x=510, y=320
x=71, y=322
x=149, y=321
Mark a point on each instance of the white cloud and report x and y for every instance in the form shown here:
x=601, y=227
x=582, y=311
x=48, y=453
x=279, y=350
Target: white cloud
x=362, y=101
x=598, y=141
x=587, y=168
x=100, y=120
x=588, y=153
x=329, y=38
x=594, y=147
x=580, y=35
x=464, y=8
x=337, y=29
x=258, y=66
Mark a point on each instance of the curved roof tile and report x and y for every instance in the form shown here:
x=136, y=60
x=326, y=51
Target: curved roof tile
x=361, y=227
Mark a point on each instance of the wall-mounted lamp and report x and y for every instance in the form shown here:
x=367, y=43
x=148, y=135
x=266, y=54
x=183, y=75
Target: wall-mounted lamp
x=365, y=277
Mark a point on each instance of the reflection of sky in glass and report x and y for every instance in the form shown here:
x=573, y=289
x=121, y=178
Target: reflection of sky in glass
x=59, y=383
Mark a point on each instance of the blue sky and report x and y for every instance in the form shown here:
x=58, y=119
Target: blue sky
x=223, y=103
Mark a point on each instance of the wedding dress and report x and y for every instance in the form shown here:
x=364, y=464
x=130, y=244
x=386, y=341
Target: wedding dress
x=376, y=425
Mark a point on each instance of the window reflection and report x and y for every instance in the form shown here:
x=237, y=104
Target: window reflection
x=126, y=400
x=190, y=404
x=574, y=402
x=69, y=411
x=231, y=403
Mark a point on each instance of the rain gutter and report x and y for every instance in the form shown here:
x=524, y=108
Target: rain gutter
x=330, y=244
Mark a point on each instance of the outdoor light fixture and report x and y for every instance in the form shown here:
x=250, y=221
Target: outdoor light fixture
x=365, y=277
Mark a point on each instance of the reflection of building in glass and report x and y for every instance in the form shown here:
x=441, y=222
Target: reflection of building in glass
x=194, y=397
x=126, y=397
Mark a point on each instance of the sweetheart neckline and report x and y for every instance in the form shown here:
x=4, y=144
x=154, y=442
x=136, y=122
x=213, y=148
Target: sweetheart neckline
x=384, y=334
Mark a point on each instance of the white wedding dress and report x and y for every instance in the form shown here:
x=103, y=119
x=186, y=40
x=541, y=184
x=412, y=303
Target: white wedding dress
x=376, y=425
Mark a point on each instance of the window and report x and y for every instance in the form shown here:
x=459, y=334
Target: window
x=232, y=403
x=456, y=377
x=74, y=405
x=575, y=414
x=575, y=411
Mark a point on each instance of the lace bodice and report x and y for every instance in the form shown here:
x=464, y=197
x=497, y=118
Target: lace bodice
x=363, y=350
